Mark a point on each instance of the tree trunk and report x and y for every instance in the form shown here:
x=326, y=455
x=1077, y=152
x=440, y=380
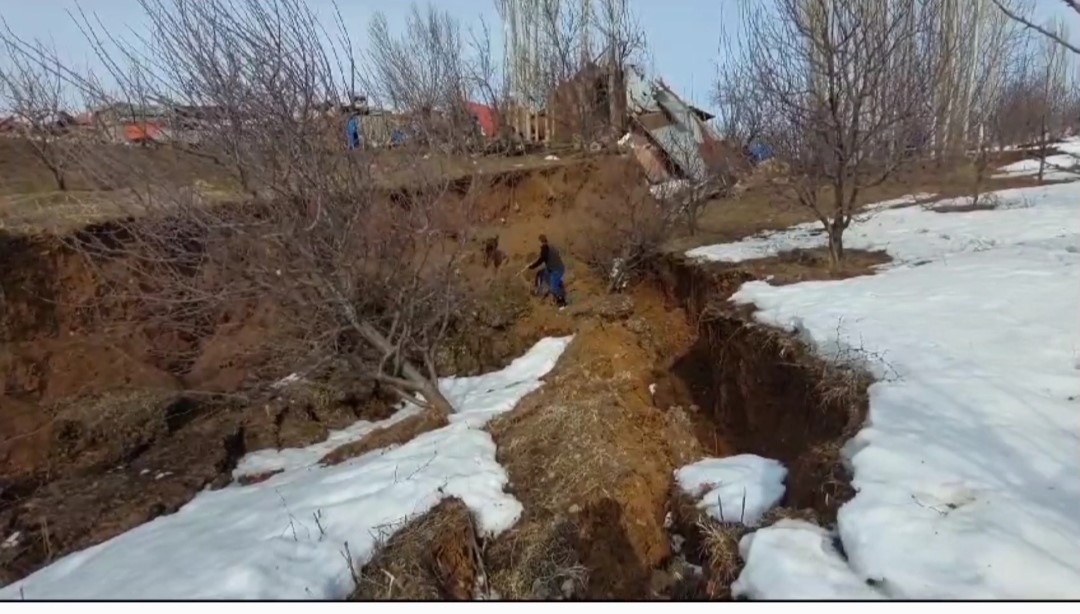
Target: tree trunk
x=61, y=180
x=836, y=245
x=429, y=389
x=1043, y=146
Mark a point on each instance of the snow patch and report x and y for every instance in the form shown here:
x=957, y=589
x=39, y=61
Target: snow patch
x=289, y=379
x=914, y=235
x=287, y=537
x=289, y=459
x=734, y=489
x=12, y=541
x=476, y=400
x=479, y=399
x=796, y=560
x=1058, y=168
x=903, y=201
x=1064, y=166
x=965, y=471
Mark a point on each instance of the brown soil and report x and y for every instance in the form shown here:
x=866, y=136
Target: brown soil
x=590, y=455
x=767, y=390
x=88, y=399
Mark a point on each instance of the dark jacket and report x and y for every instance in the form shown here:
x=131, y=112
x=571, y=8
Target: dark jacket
x=549, y=257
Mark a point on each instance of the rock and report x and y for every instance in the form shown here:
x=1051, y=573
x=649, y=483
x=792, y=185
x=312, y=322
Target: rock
x=574, y=509
x=615, y=307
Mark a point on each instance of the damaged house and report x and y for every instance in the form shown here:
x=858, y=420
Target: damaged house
x=672, y=140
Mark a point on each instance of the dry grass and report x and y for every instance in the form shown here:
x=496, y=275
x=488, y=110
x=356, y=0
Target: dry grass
x=395, y=434
x=801, y=265
x=777, y=514
x=720, y=545
x=30, y=202
x=539, y=561
x=823, y=480
x=431, y=558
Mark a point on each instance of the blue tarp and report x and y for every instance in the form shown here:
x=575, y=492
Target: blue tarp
x=352, y=131
x=759, y=152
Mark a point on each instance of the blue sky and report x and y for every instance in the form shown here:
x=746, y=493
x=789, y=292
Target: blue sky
x=683, y=35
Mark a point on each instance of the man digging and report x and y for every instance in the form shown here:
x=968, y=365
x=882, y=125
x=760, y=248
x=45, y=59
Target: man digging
x=553, y=270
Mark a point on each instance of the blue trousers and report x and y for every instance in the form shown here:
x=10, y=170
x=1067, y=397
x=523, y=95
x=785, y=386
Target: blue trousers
x=555, y=284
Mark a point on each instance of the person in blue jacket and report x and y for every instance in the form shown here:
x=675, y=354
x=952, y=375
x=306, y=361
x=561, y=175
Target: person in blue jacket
x=352, y=131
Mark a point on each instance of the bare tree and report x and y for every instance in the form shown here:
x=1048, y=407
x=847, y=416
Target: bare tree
x=624, y=39
x=553, y=64
x=35, y=97
x=826, y=77
x=423, y=72
x=488, y=82
x=1057, y=36
x=1051, y=91
x=360, y=273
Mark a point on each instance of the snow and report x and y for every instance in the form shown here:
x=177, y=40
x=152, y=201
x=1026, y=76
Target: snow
x=903, y=201
x=966, y=468
x=288, y=536
x=1059, y=167
x=262, y=462
x=477, y=400
x=12, y=541
x=480, y=398
x=737, y=488
x=796, y=560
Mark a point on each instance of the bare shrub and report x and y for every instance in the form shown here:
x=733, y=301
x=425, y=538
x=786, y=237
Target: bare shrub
x=358, y=274
x=423, y=72
x=630, y=229
x=34, y=94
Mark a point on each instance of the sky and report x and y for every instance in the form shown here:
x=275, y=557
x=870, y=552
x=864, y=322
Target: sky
x=683, y=35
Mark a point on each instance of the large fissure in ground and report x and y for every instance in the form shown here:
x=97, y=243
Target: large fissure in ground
x=591, y=456
x=757, y=390
x=679, y=376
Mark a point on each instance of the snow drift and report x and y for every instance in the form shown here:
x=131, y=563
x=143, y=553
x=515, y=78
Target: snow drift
x=966, y=468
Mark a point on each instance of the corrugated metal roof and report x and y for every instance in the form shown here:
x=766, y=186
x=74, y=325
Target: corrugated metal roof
x=682, y=148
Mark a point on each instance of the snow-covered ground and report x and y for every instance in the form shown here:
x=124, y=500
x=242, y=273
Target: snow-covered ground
x=285, y=538
x=796, y=560
x=737, y=488
x=1059, y=167
x=966, y=470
